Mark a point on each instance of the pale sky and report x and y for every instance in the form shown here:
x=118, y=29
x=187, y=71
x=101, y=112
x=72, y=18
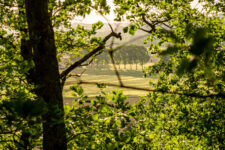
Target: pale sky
x=93, y=17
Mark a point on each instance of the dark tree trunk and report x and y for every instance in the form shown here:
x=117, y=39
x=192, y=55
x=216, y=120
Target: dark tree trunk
x=47, y=76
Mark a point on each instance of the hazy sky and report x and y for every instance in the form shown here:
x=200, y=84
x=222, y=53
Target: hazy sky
x=94, y=16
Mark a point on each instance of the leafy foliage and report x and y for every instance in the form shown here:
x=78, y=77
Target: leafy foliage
x=20, y=111
x=194, y=41
x=157, y=121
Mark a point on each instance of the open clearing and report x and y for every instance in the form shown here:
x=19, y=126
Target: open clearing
x=129, y=77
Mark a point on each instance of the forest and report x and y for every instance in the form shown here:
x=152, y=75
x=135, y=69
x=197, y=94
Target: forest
x=151, y=78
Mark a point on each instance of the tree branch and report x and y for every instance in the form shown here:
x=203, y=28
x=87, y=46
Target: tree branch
x=148, y=23
x=148, y=31
x=87, y=56
x=115, y=69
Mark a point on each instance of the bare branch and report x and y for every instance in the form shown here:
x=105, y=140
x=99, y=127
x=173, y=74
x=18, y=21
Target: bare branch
x=115, y=69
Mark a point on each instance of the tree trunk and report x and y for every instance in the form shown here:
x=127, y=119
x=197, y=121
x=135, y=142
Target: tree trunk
x=136, y=67
x=47, y=77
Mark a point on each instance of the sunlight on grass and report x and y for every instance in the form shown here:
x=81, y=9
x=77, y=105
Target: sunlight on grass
x=92, y=90
x=131, y=78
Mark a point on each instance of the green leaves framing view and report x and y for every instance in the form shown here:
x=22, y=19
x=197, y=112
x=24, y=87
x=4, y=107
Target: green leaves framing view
x=154, y=78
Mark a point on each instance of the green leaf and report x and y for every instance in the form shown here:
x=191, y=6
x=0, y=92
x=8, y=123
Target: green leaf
x=125, y=29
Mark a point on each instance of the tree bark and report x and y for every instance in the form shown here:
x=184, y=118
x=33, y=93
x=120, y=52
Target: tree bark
x=47, y=79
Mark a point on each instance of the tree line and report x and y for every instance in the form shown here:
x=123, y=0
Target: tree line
x=129, y=54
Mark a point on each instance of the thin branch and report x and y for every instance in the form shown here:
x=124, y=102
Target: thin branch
x=115, y=69
x=113, y=62
x=155, y=22
x=91, y=60
x=181, y=93
x=168, y=26
x=77, y=75
x=148, y=31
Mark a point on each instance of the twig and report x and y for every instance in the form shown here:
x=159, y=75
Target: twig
x=77, y=75
x=148, y=31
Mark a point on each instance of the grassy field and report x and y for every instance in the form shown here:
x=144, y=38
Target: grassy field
x=129, y=77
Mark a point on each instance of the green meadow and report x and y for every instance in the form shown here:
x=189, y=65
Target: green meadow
x=129, y=77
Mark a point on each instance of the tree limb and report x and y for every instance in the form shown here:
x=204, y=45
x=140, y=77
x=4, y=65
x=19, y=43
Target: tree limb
x=87, y=56
x=148, y=23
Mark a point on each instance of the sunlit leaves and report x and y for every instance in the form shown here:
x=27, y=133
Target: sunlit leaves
x=20, y=110
x=101, y=123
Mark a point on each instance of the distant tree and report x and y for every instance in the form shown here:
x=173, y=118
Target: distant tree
x=103, y=58
x=132, y=54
